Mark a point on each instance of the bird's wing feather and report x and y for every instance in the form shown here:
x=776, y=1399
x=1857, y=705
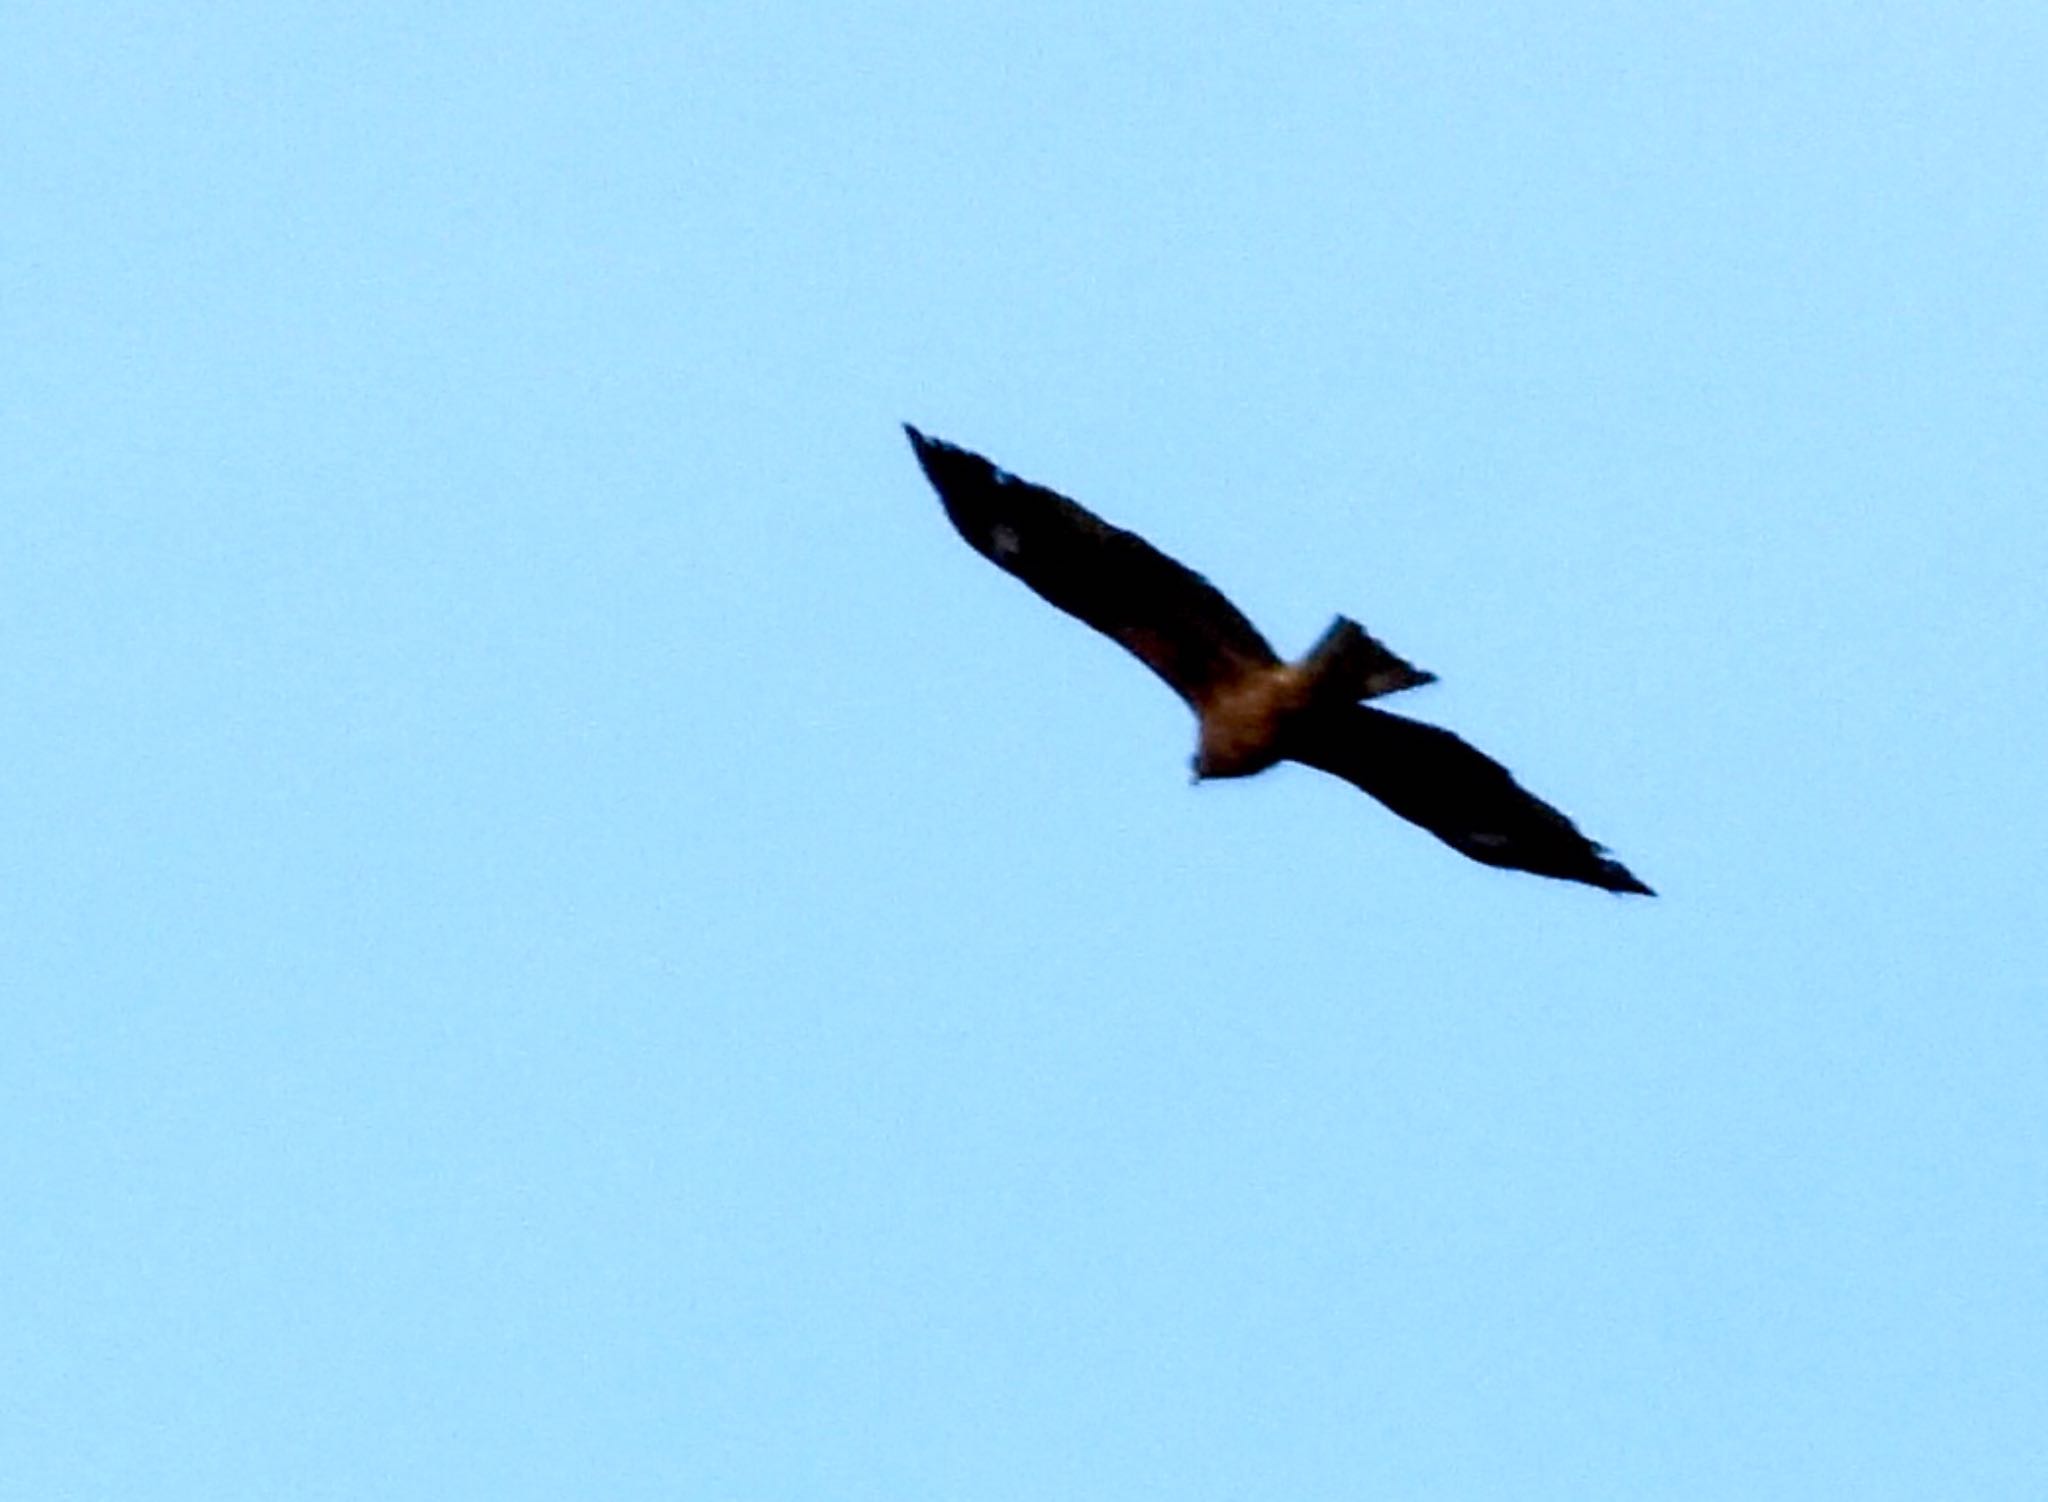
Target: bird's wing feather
x=1458, y=793
x=1168, y=616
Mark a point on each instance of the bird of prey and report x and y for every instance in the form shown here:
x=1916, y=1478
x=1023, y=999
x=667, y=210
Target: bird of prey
x=1253, y=708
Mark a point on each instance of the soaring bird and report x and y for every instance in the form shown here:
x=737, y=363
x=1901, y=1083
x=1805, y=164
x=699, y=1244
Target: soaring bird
x=1254, y=709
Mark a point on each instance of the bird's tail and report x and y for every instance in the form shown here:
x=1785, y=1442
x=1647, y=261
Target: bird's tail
x=1347, y=665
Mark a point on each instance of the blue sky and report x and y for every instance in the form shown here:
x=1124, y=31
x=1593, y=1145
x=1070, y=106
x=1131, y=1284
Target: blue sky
x=561, y=936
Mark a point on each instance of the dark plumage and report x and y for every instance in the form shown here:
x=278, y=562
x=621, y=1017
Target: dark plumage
x=1255, y=709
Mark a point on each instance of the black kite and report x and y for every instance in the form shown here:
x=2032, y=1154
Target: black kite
x=1253, y=708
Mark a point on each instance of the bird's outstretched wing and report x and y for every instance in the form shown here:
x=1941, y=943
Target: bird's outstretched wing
x=1172, y=619
x=1459, y=794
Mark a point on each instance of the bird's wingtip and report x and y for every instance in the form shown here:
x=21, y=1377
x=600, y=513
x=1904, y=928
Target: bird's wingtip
x=1624, y=882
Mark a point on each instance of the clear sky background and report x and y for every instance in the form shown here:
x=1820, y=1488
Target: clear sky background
x=562, y=937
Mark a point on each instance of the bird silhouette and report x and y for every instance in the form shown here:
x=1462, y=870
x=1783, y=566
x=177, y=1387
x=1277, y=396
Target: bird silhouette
x=1253, y=708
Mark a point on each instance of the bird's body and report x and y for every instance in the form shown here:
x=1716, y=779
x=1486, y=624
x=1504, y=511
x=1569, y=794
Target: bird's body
x=1241, y=728
x=1254, y=709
